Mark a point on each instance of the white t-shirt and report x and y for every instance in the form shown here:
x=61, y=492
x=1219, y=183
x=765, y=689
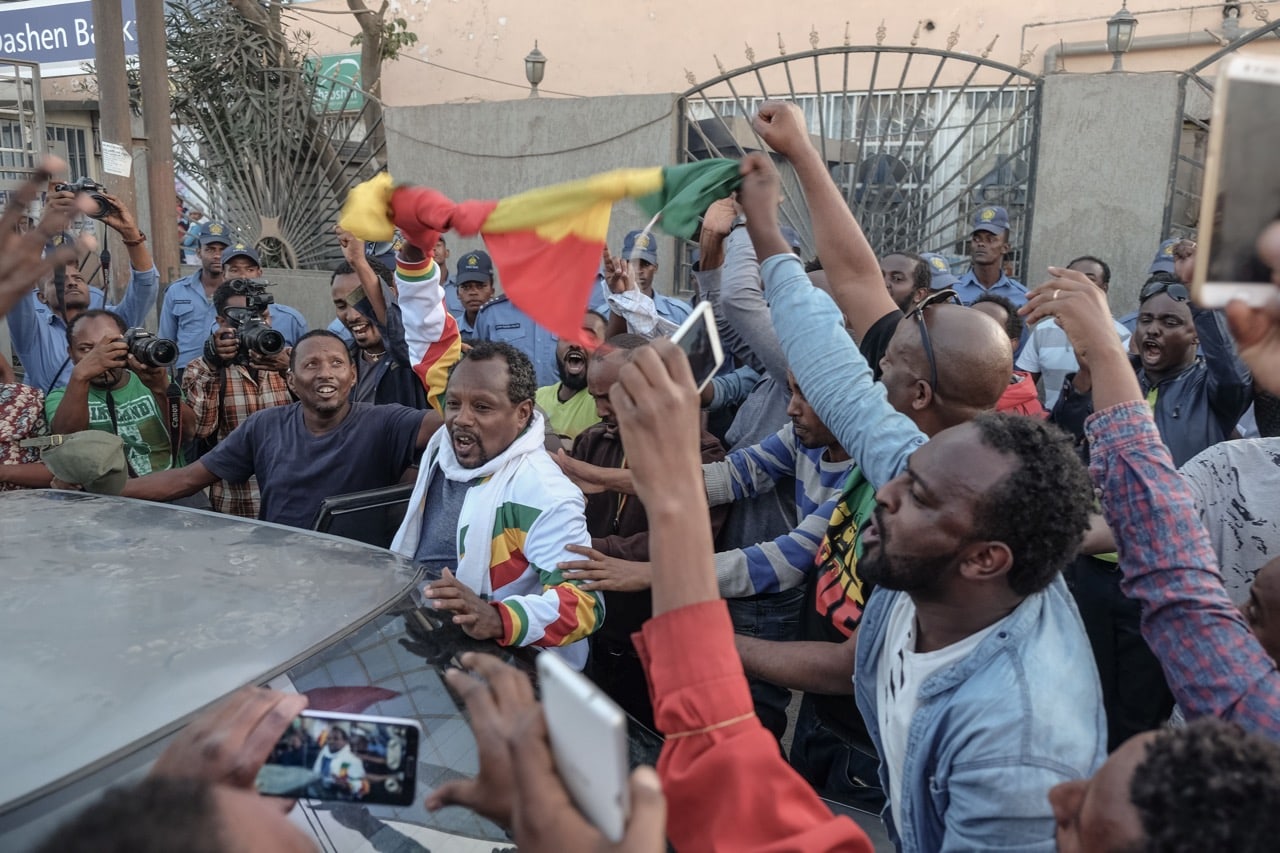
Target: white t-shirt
x=1048, y=352
x=902, y=671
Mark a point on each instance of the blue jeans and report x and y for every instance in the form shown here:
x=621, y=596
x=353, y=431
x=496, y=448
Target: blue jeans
x=771, y=616
x=837, y=769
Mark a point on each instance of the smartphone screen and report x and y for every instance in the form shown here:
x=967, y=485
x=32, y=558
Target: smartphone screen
x=698, y=337
x=344, y=757
x=1242, y=185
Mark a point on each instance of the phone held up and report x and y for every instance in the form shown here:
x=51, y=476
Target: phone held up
x=700, y=340
x=326, y=755
x=589, y=741
x=1241, y=197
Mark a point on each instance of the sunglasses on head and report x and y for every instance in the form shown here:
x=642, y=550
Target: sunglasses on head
x=917, y=312
x=1176, y=290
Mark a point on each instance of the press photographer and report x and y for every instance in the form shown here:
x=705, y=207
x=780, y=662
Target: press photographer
x=241, y=372
x=39, y=336
x=120, y=384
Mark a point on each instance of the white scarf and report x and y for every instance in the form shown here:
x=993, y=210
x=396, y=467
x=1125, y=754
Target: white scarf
x=480, y=507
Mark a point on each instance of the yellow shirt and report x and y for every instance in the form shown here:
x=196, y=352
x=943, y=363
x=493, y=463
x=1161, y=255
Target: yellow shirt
x=568, y=418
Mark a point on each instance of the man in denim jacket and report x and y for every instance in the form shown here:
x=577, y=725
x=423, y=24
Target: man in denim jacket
x=973, y=670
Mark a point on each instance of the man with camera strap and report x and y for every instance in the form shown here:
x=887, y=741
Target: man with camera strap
x=241, y=371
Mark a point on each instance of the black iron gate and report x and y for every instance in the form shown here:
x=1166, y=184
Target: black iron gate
x=918, y=139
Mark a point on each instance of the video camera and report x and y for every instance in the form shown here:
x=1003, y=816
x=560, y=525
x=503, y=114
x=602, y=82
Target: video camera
x=94, y=190
x=150, y=350
x=252, y=331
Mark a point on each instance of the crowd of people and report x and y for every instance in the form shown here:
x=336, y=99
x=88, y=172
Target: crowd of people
x=1016, y=557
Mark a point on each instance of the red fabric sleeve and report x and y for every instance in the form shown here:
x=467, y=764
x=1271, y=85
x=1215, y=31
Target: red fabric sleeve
x=727, y=786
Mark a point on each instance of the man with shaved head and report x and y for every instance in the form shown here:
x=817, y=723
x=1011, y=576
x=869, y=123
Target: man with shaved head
x=968, y=600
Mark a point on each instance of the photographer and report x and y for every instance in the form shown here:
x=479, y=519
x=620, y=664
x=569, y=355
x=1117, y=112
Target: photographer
x=39, y=337
x=231, y=381
x=115, y=390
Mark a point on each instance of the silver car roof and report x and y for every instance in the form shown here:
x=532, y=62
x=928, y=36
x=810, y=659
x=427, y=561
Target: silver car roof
x=119, y=619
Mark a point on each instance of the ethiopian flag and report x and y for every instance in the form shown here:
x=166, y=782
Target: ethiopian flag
x=546, y=243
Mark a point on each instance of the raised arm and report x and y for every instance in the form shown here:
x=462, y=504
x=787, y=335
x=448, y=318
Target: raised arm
x=701, y=702
x=430, y=332
x=1230, y=383
x=743, y=304
x=852, y=268
x=826, y=363
x=1214, y=665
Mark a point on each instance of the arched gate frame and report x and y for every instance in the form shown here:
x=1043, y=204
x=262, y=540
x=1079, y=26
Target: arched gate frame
x=917, y=138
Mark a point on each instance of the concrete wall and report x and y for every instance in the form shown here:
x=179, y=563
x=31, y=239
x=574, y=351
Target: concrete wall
x=499, y=149
x=1103, y=173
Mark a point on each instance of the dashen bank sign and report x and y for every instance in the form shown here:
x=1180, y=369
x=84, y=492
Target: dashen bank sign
x=58, y=34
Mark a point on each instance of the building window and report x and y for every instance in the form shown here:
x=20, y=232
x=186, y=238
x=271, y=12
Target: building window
x=75, y=139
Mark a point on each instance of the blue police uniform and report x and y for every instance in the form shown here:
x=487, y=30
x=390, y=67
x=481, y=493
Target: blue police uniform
x=288, y=322
x=188, y=317
x=341, y=331
x=501, y=320
x=452, y=303
x=40, y=336
x=968, y=289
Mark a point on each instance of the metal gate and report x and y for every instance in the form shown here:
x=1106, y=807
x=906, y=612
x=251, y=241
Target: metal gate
x=918, y=139
x=1191, y=139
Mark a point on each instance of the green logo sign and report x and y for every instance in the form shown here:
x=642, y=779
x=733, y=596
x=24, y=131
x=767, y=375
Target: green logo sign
x=337, y=81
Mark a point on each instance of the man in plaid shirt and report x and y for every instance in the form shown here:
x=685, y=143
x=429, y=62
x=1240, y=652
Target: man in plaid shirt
x=1213, y=664
x=224, y=387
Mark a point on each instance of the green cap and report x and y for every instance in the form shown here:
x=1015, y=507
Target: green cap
x=93, y=459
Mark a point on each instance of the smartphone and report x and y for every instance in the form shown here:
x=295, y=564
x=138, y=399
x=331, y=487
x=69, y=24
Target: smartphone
x=327, y=755
x=589, y=741
x=698, y=337
x=1241, y=196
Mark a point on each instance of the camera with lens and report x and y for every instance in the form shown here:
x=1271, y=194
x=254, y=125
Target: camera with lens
x=94, y=190
x=149, y=349
x=252, y=331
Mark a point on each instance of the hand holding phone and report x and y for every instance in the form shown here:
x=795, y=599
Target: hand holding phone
x=588, y=733
x=700, y=340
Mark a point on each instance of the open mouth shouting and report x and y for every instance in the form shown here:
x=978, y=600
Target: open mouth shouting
x=1152, y=352
x=467, y=448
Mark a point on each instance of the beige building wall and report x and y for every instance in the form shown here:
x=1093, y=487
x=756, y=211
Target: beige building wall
x=469, y=50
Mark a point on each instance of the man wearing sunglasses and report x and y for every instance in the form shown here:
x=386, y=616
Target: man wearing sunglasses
x=1197, y=400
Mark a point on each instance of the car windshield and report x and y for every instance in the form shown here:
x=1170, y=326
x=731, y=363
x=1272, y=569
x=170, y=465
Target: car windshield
x=394, y=666
x=123, y=618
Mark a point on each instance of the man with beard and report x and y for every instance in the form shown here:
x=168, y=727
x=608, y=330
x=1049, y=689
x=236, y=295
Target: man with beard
x=996, y=727
x=567, y=405
x=365, y=300
x=1197, y=400
x=908, y=277
x=40, y=336
x=187, y=314
x=490, y=503
x=112, y=391
x=322, y=445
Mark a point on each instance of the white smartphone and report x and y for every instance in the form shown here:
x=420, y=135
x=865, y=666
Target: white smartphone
x=589, y=741
x=1241, y=195
x=698, y=337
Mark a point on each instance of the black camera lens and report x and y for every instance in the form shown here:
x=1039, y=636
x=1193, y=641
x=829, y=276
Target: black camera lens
x=150, y=350
x=257, y=336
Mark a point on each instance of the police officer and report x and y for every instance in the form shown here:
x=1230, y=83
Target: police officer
x=501, y=320
x=241, y=261
x=988, y=247
x=187, y=314
x=474, y=289
x=641, y=248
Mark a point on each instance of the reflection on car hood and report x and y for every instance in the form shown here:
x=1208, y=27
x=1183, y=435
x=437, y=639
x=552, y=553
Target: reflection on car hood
x=119, y=619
